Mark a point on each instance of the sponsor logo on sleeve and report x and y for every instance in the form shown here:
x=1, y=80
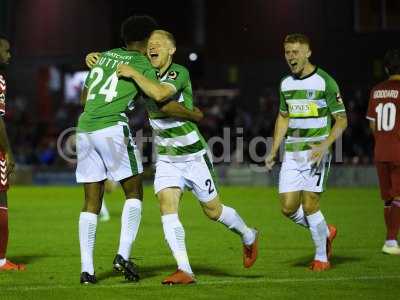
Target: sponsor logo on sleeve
x=172, y=75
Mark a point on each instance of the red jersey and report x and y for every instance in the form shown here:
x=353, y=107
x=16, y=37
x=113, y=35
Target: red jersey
x=2, y=95
x=384, y=109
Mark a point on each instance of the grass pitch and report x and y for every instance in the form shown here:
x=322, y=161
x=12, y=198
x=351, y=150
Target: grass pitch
x=44, y=234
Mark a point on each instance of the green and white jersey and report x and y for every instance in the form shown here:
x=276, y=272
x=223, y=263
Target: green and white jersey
x=108, y=97
x=176, y=140
x=310, y=102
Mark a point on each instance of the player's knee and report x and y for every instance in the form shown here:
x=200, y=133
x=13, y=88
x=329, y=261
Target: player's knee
x=310, y=207
x=213, y=214
x=288, y=210
x=168, y=207
x=212, y=209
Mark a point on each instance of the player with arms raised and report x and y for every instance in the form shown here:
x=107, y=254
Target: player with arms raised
x=309, y=98
x=384, y=119
x=6, y=163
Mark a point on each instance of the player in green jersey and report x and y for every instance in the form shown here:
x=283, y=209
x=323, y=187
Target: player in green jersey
x=105, y=147
x=309, y=99
x=183, y=159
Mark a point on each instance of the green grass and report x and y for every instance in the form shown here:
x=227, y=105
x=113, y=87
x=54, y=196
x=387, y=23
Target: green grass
x=44, y=227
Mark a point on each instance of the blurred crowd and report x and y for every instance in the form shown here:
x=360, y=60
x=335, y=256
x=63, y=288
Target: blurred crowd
x=239, y=122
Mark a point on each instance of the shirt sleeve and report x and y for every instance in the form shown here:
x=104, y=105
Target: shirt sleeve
x=333, y=96
x=371, y=113
x=178, y=79
x=282, y=103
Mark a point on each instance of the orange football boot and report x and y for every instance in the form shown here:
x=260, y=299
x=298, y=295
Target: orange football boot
x=179, y=277
x=319, y=266
x=250, y=252
x=329, y=240
x=10, y=266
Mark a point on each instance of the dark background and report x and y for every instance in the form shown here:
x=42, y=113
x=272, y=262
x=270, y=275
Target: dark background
x=239, y=47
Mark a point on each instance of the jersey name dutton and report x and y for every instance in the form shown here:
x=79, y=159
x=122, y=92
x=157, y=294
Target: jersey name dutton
x=109, y=97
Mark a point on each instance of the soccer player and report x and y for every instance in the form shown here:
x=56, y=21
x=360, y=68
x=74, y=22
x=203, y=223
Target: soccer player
x=383, y=116
x=105, y=147
x=183, y=159
x=6, y=163
x=309, y=99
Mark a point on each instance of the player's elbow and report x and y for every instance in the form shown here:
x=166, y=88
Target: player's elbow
x=159, y=97
x=163, y=93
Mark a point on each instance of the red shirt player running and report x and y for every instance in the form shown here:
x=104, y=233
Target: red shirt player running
x=384, y=116
x=6, y=164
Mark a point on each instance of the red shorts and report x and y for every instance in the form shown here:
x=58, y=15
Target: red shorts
x=389, y=179
x=3, y=173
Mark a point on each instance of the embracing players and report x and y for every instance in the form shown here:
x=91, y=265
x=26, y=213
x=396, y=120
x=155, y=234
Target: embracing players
x=309, y=99
x=383, y=116
x=182, y=157
x=105, y=147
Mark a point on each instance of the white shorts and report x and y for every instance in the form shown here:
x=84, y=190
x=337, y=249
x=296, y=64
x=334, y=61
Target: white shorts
x=298, y=174
x=197, y=175
x=107, y=153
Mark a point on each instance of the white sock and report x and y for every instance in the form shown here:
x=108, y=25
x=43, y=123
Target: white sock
x=231, y=219
x=175, y=237
x=104, y=211
x=299, y=218
x=130, y=221
x=3, y=261
x=87, y=239
x=391, y=243
x=319, y=233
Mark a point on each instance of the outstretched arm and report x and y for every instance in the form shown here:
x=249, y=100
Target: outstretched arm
x=177, y=110
x=155, y=90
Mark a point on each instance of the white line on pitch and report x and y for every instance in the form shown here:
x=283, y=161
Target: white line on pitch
x=204, y=283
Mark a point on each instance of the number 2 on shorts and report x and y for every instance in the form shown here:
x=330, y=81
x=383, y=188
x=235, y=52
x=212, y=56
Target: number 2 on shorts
x=209, y=185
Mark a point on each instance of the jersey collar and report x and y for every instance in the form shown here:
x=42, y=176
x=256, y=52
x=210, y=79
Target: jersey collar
x=308, y=76
x=166, y=71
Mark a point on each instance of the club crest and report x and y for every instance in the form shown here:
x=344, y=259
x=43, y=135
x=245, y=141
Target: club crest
x=310, y=94
x=172, y=75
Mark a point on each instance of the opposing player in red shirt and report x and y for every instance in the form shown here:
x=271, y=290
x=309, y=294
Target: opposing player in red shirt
x=6, y=164
x=384, y=118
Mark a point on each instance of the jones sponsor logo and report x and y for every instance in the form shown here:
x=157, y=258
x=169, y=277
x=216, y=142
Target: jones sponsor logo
x=379, y=94
x=299, y=108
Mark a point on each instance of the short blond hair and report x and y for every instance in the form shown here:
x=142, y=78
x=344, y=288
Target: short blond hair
x=167, y=34
x=297, y=38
